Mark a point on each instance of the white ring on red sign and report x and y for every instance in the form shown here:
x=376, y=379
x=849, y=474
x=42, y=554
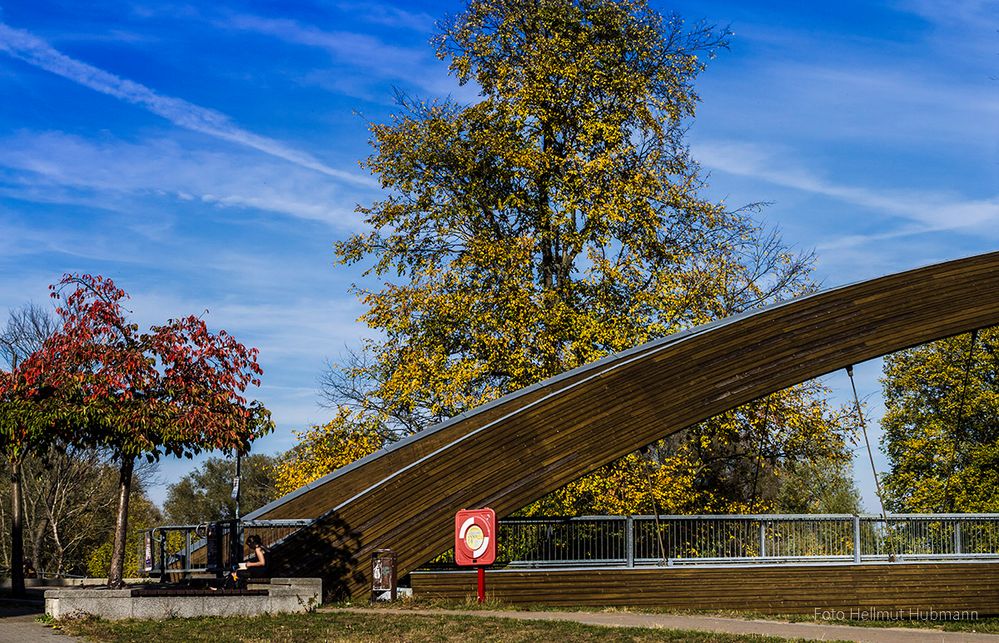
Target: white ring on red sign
x=471, y=520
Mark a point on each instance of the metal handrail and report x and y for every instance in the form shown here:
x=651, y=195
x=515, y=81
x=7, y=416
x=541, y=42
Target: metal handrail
x=747, y=539
x=778, y=517
x=630, y=541
x=174, y=558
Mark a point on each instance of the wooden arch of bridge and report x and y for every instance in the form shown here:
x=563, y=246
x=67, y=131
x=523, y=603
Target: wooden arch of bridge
x=519, y=448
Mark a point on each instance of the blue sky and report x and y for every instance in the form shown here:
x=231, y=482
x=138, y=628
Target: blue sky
x=205, y=155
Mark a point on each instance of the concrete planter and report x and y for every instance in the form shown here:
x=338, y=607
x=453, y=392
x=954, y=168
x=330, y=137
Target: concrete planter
x=283, y=595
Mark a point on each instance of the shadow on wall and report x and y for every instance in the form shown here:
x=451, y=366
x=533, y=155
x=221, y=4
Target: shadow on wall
x=327, y=548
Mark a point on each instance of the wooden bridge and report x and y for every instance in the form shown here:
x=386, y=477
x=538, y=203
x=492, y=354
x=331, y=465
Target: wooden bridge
x=519, y=448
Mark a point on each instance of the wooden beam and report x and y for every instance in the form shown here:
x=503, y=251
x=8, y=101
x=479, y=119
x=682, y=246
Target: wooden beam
x=899, y=591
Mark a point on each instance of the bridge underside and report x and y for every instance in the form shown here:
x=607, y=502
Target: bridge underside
x=513, y=451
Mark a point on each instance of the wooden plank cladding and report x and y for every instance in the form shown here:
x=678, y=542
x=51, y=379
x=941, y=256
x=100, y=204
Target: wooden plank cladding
x=895, y=590
x=508, y=453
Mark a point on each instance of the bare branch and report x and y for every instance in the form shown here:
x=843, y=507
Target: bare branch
x=27, y=329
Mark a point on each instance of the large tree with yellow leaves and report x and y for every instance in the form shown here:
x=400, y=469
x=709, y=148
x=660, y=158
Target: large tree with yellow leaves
x=941, y=425
x=558, y=219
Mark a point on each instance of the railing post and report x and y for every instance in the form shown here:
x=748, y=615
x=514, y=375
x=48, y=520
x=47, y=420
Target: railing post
x=629, y=540
x=235, y=544
x=856, y=539
x=957, y=537
x=763, y=539
x=163, y=563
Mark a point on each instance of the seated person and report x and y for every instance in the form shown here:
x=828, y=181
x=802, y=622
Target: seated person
x=253, y=566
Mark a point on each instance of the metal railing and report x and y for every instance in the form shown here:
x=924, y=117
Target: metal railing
x=629, y=541
x=635, y=541
x=190, y=549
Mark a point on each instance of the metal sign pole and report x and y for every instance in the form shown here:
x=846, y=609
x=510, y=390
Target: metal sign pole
x=475, y=542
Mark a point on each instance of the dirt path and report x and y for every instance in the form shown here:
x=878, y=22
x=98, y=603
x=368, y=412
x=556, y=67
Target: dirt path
x=813, y=631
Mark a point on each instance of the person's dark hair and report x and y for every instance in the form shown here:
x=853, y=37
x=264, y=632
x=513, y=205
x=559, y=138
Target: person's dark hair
x=254, y=541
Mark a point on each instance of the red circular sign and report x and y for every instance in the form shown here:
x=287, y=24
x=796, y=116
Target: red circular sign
x=475, y=537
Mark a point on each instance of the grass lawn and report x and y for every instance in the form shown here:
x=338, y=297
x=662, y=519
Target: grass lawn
x=336, y=625
x=332, y=624
x=982, y=625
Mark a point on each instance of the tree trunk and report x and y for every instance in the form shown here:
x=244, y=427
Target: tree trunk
x=115, y=574
x=59, y=549
x=37, y=534
x=16, y=529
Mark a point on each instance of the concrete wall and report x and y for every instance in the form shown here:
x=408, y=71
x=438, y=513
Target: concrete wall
x=283, y=595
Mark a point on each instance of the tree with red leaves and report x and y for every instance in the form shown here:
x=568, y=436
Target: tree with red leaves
x=176, y=389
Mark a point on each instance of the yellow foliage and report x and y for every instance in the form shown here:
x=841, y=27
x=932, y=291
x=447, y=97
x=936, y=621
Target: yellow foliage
x=555, y=221
x=941, y=431
x=323, y=449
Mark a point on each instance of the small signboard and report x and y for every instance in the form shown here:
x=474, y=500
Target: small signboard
x=382, y=570
x=475, y=537
x=383, y=573
x=147, y=561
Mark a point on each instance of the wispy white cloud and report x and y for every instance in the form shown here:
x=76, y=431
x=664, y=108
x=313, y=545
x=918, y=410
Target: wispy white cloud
x=35, y=51
x=901, y=85
x=924, y=211
x=356, y=51
x=112, y=174
x=31, y=285
x=18, y=241
x=962, y=32
x=291, y=306
x=922, y=110
x=388, y=15
x=979, y=13
x=291, y=329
